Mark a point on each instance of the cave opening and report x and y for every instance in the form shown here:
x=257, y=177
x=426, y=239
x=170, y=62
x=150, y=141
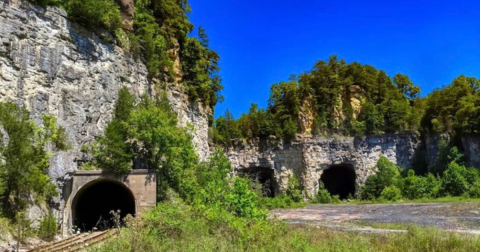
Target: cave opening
x=340, y=180
x=263, y=176
x=92, y=206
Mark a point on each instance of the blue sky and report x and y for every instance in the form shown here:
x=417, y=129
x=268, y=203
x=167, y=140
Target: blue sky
x=265, y=41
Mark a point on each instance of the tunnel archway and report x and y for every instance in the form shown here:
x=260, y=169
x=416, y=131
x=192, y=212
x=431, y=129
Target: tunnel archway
x=262, y=175
x=92, y=204
x=340, y=180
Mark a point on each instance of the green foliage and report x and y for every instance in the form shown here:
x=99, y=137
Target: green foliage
x=175, y=227
x=226, y=129
x=200, y=70
x=113, y=151
x=243, y=201
x=454, y=107
x=22, y=228
x=24, y=164
x=152, y=42
x=94, y=13
x=48, y=228
x=217, y=191
x=325, y=94
x=416, y=187
x=323, y=196
x=387, y=175
x=391, y=193
x=162, y=145
x=294, y=189
x=454, y=182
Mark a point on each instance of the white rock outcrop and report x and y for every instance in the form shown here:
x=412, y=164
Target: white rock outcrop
x=308, y=157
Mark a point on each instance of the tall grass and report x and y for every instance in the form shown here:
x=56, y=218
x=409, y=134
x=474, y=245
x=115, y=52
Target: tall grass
x=178, y=228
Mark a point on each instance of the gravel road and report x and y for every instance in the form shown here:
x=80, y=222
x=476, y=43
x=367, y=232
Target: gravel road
x=448, y=216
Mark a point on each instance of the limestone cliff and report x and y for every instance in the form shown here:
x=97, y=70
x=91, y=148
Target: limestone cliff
x=51, y=65
x=308, y=157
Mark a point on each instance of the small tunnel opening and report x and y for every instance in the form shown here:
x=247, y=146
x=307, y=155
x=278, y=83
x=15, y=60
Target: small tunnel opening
x=93, y=204
x=263, y=176
x=340, y=180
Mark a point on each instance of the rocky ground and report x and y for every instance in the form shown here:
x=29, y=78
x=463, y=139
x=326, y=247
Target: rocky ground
x=459, y=217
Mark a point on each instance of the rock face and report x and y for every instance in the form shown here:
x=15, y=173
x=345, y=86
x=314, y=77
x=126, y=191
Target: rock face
x=308, y=158
x=51, y=65
x=471, y=148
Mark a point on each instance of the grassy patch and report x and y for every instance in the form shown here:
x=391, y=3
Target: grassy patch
x=171, y=227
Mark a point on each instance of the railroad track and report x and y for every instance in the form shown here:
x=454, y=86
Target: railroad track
x=76, y=242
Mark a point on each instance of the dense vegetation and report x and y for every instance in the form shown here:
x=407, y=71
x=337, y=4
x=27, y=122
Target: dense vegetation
x=160, y=31
x=201, y=208
x=450, y=177
x=171, y=227
x=24, y=161
x=355, y=100
x=385, y=104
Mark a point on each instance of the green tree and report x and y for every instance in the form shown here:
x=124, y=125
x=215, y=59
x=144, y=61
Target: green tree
x=152, y=128
x=24, y=164
x=114, y=151
x=406, y=86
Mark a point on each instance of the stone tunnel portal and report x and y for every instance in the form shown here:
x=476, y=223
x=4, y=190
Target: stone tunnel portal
x=340, y=180
x=262, y=175
x=92, y=205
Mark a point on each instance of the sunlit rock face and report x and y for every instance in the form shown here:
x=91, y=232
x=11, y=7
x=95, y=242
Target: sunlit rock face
x=51, y=65
x=309, y=157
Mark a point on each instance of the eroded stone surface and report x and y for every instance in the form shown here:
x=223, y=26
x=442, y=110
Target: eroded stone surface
x=53, y=66
x=309, y=157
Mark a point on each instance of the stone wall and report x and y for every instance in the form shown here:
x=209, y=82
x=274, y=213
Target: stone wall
x=471, y=148
x=308, y=157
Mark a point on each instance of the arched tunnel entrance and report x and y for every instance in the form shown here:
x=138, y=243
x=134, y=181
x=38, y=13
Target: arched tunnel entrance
x=263, y=176
x=340, y=180
x=92, y=205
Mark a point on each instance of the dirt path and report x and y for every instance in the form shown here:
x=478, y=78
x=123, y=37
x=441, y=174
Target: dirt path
x=460, y=217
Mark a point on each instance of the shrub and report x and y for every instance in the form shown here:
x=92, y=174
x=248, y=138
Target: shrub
x=454, y=182
x=242, y=201
x=336, y=199
x=323, y=196
x=294, y=189
x=48, y=228
x=415, y=187
x=391, y=193
x=95, y=13
x=474, y=190
x=388, y=174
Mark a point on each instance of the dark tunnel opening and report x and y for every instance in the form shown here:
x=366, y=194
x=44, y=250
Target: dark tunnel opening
x=263, y=176
x=93, y=204
x=340, y=180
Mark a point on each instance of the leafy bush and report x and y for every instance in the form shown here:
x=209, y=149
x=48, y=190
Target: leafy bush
x=388, y=174
x=391, y=193
x=242, y=201
x=48, y=228
x=474, y=190
x=323, y=196
x=95, y=13
x=454, y=182
x=294, y=189
x=415, y=187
